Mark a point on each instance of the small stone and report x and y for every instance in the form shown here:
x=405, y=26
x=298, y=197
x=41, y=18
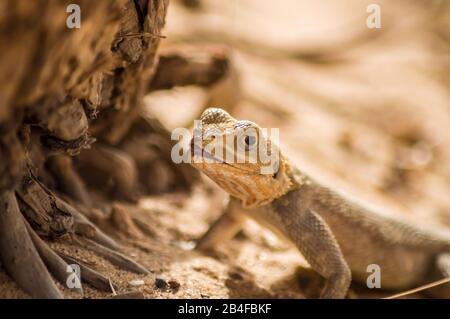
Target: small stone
x=160, y=283
x=136, y=282
x=186, y=245
x=174, y=285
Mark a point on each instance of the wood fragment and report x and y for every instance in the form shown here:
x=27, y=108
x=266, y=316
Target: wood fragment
x=99, y=236
x=64, y=120
x=190, y=67
x=89, y=275
x=18, y=254
x=114, y=257
x=55, y=264
x=38, y=205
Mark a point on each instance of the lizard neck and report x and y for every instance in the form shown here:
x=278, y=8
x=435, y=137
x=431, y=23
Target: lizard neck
x=297, y=177
x=262, y=191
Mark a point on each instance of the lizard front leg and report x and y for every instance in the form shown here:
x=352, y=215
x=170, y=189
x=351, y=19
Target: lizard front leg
x=224, y=228
x=312, y=236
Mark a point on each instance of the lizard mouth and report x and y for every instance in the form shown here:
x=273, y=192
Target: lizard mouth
x=197, y=151
x=200, y=152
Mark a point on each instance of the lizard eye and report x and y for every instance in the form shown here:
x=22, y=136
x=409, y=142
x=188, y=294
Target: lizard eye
x=249, y=141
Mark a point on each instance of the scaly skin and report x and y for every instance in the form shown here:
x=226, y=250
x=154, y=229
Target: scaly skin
x=338, y=237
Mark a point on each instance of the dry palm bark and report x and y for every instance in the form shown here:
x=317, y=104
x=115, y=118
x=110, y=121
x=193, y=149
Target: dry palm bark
x=55, y=81
x=68, y=92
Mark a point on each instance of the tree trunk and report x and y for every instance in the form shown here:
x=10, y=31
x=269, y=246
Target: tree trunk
x=63, y=89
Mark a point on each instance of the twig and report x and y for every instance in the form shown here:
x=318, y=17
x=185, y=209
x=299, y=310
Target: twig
x=91, y=276
x=421, y=288
x=55, y=264
x=114, y=257
x=112, y=288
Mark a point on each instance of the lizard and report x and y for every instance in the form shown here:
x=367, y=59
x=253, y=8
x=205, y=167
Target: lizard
x=337, y=235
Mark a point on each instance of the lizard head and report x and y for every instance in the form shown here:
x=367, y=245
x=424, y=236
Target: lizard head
x=240, y=158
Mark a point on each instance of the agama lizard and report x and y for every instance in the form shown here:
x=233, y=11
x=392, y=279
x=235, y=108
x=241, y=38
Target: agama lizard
x=337, y=236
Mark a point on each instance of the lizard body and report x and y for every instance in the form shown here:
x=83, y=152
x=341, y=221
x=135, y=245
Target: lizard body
x=337, y=236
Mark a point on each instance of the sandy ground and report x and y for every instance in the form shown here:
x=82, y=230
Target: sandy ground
x=365, y=112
